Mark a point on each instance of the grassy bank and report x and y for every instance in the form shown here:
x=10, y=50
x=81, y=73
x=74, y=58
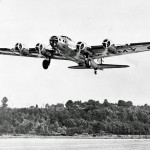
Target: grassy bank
x=79, y=136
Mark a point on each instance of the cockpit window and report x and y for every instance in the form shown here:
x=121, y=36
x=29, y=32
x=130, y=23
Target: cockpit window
x=66, y=37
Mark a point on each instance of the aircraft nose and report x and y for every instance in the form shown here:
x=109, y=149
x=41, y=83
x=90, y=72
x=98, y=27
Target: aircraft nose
x=53, y=41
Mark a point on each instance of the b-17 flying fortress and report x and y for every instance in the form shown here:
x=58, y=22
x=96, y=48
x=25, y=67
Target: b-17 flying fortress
x=63, y=48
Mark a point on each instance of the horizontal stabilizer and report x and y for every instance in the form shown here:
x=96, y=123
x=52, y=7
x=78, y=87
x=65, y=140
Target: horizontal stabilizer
x=100, y=66
x=78, y=67
x=107, y=66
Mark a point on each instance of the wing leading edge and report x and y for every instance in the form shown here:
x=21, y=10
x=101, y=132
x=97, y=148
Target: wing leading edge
x=32, y=52
x=100, y=51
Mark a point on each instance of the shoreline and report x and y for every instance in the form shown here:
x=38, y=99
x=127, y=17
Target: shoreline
x=79, y=137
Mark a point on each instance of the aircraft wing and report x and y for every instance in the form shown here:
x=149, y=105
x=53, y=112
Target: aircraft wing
x=31, y=52
x=100, y=51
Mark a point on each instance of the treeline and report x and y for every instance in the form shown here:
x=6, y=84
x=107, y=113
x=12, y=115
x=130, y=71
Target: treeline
x=74, y=118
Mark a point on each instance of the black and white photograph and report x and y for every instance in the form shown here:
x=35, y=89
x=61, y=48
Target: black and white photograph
x=74, y=74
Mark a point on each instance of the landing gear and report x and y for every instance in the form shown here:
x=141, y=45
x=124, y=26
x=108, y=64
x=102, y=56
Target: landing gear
x=87, y=63
x=90, y=63
x=97, y=66
x=100, y=60
x=46, y=63
x=95, y=71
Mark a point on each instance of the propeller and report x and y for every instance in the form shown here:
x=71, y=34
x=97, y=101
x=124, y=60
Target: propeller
x=53, y=41
x=39, y=47
x=106, y=43
x=18, y=46
x=80, y=46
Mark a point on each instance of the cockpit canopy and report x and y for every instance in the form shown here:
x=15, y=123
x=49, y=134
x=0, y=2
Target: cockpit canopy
x=66, y=37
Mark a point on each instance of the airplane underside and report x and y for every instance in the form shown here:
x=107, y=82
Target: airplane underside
x=86, y=64
x=80, y=56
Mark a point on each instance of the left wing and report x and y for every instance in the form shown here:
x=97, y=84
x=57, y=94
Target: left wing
x=12, y=52
x=102, y=51
x=38, y=52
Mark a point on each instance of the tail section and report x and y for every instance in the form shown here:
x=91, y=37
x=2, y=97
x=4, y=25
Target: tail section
x=109, y=66
x=100, y=66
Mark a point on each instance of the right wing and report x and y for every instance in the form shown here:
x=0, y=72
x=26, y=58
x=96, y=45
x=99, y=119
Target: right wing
x=101, y=51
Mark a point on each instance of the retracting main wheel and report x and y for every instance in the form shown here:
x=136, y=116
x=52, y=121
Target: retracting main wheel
x=46, y=63
x=87, y=63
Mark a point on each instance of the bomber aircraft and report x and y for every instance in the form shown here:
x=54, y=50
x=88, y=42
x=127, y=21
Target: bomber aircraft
x=63, y=48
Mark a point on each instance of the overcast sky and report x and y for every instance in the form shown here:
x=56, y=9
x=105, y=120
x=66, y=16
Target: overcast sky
x=23, y=80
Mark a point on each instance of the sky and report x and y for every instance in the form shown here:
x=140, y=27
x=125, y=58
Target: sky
x=23, y=80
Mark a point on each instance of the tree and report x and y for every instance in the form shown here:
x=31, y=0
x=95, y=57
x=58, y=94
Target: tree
x=122, y=103
x=4, y=102
x=69, y=122
x=47, y=106
x=129, y=103
x=69, y=103
x=106, y=103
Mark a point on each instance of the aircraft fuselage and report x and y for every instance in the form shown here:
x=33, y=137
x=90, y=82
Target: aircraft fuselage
x=67, y=48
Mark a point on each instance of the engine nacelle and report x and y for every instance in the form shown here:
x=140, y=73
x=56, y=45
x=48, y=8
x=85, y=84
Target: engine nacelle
x=109, y=46
x=44, y=50
x=22, y=49
x=106, y=43
x=40, y=47
x=81, y=46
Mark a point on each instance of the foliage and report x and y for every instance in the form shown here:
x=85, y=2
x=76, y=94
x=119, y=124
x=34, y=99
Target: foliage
x=4, y=102
x=91, y=117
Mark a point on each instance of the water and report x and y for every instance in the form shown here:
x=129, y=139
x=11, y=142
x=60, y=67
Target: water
x=73, y=144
